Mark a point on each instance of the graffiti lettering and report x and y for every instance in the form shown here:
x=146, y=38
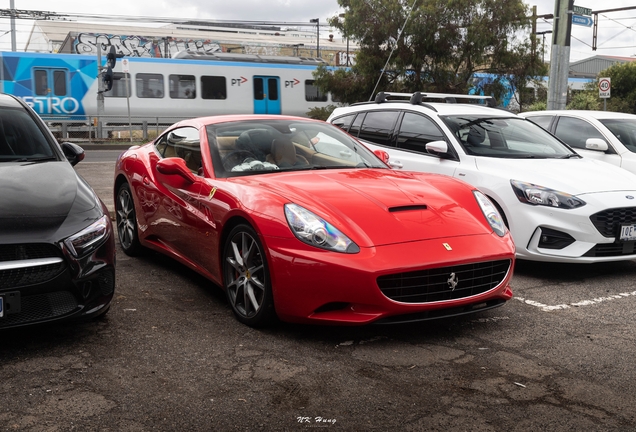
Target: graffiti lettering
x=140, y=46
x=52, y=105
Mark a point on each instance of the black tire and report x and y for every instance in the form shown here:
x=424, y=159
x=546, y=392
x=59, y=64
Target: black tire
x=246, y=278
x=127, y=221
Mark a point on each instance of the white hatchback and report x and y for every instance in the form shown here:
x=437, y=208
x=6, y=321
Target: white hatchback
x=559, y=206
x=602, y=135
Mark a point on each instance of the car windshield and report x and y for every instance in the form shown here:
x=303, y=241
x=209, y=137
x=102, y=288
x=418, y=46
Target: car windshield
x=624, y=130
x=264, y=146
x=505, y=137
x=20, y=137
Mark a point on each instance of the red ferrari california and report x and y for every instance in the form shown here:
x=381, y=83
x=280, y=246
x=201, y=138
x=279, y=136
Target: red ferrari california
x=297, y=220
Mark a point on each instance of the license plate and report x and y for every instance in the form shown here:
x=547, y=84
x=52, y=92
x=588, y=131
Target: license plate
x=1, y=306
x=628, y=232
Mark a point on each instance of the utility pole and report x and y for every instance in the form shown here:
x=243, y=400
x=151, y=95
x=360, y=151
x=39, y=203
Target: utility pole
x=560, y=55
x=100, y=91
x=317, y=21
x=13, y=38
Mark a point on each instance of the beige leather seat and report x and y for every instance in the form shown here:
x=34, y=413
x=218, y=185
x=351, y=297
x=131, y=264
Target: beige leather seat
x=284, y=154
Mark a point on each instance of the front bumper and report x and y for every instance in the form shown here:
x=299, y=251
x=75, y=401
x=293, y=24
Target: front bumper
x=531, y=224
x=322, y=287
x=75, y=289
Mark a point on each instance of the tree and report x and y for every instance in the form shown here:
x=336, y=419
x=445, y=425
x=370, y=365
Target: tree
x=443, y=43
x=623, y=92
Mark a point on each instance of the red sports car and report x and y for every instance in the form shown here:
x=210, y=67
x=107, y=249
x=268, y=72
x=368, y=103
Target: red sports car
x=297, y=220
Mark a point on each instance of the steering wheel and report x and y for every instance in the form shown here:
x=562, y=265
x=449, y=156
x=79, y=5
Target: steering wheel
x=236, y=158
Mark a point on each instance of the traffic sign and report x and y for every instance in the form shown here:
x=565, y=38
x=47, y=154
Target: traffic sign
x=125, y=65
x=604, y=87
x=582, y=20
x=580, y=10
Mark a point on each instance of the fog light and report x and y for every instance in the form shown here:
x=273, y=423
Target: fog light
x=553, y=239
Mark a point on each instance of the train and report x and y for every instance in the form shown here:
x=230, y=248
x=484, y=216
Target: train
x=162, y=90
x=67, y=86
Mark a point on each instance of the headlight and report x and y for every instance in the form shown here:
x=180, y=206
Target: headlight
x=315, y=231
x=492, y=214
x=538, y=195
x=89, y=238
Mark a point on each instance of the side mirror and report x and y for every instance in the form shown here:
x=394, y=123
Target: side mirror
x=437, y=148
x=596, y=144
x=73, y=152
x=175, y=166
x=384, y=156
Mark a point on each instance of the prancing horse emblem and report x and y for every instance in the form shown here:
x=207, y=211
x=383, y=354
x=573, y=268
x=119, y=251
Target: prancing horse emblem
x=452, y=281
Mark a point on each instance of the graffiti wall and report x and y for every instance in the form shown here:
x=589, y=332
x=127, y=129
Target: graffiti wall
x=140, y=46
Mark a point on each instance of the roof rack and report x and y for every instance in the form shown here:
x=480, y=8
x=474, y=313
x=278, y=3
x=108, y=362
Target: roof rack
x=417, y=97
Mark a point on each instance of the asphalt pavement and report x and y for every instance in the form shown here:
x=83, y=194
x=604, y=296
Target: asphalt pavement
x=100, y=174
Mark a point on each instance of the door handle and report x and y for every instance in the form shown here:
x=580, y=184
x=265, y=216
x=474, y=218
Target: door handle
x=396, y=164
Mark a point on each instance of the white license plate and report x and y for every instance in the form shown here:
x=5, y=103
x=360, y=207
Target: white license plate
x=1, y=306
x=628, y=232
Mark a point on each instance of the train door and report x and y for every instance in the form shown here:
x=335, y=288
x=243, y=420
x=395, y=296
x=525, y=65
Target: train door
x=50, y=84
x=267, y=95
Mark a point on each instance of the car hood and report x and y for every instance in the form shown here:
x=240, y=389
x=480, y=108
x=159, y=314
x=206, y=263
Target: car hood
x=574, y=176
x=384, y=206
x=38, y=197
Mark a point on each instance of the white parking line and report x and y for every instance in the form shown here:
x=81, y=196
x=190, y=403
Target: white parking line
x=547, y=308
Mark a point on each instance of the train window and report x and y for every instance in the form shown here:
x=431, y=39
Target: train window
x=259, y=94
x=59, y=83
x=149, y=85
x=272, y=88
x=182, y=86
x=41, y=82
x=119, y=86
x=312, y=93
x=213, y=87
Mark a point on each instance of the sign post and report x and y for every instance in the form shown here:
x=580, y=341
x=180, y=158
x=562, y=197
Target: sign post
x=125, y=68
x=604, y=90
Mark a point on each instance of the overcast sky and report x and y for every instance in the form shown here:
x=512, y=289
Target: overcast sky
x=616, y=31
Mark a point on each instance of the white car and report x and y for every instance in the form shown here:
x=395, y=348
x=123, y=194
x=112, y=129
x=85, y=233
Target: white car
x=603, y=135
x=559, y=206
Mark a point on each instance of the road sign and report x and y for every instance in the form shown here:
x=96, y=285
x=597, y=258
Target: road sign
x=604, y=87
x=125, y=65
x=580, y=10
x=582, y=20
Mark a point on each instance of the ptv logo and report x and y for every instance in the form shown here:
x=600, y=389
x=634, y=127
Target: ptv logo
x=291, y=84
x=239, y=81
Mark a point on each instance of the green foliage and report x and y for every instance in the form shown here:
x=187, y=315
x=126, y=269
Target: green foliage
x=584, y=100
x=537, y=106
x=321, y=113
x=623, y=92
x=443, y=44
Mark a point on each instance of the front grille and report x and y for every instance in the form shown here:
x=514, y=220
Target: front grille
x=41, y=307
x=611, y=250
x=17, y=252
x=608, y=222
x=30, y=275
x=425, y=286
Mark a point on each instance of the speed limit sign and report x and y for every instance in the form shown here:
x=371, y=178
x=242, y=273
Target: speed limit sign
x=604, y=87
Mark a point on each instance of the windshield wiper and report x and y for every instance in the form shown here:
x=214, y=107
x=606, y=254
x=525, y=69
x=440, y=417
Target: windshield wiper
x=570, y=155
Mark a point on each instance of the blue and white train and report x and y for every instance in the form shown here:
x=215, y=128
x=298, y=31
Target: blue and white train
x=66, y=86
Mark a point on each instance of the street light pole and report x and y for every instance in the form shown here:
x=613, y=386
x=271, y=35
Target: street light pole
x=342, y=16
x=543, y=33
x=317, y=21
